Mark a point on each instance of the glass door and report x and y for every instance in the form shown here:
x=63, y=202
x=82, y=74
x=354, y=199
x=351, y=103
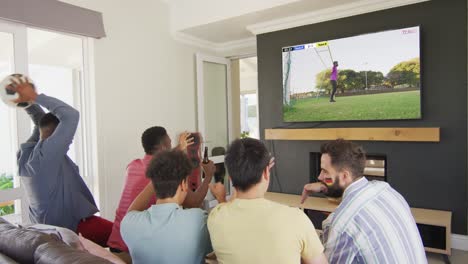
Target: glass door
x=214, y=104
x=215, y=111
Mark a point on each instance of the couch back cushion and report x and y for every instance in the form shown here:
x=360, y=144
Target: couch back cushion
x=20, y=244
x=57, y=252
x=66, y=235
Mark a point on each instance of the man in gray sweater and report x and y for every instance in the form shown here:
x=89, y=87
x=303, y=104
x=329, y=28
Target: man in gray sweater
x=56, y=192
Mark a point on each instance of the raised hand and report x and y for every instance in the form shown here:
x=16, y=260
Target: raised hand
x=219, y=191
x=24, y=89
x=185, y=140
x=315, y=187
x=209, y=169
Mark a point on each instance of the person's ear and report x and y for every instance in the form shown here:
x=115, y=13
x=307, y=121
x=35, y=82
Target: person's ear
x=184, y=185
x=266, y=174
x=345, y=177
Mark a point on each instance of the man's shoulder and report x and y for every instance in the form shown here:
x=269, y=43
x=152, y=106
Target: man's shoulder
x=291, y=214
x=136, y=174
x=219, y=211
x=376, y=183
x=279, y=208
x=135, y=218
x=191, y=221
x=273, y=208
x=221, y=208
x=364, y=201
x=194, y=213
x=28, y=145
x=136, y=169
x=134, y=224
x=26, y=149
x=136, y=163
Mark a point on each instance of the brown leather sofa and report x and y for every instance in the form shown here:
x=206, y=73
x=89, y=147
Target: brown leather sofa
x=21, y=245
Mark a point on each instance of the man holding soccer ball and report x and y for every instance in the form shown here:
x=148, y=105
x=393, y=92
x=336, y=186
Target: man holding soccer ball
x=57, y=193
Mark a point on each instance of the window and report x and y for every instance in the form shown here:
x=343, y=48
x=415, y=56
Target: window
x=249, y=118
x=57, y=65
x=10, y=190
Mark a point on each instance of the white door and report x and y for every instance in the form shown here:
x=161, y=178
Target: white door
x=214, y=102
x=214, y=110
x=14, y=123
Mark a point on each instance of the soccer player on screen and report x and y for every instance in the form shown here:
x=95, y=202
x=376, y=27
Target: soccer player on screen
x=333, y=78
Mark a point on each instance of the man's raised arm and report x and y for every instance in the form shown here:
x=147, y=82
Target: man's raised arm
x=62, y=137
x=35, y=112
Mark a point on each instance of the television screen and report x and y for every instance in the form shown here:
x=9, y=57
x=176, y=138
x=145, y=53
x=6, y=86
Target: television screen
x=367, y=77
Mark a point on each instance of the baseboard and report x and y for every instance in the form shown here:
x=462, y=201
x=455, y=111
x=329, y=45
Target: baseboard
x=460, y=242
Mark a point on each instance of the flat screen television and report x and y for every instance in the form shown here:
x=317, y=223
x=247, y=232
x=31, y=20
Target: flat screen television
x=374, y=76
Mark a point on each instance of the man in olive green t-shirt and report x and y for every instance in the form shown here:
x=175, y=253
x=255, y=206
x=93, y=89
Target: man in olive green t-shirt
x=251, y=229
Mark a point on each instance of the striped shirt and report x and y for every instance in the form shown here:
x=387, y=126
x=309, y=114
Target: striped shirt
x=373, y=224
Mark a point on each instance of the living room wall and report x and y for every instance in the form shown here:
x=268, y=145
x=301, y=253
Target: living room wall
x=428, y=175
x=143, y=78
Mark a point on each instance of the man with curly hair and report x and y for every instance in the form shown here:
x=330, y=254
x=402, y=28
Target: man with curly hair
x=158, y=234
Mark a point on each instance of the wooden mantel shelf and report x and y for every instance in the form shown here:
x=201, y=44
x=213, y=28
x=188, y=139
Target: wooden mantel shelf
x=414, y=134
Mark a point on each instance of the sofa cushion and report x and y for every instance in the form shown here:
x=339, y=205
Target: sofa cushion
x=5, y=225
x=66, y=235
x=57, y=252
x=20, y=244
x=4, y=259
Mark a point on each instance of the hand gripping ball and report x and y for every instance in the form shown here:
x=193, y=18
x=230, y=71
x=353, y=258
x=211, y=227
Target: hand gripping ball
x=8, y=96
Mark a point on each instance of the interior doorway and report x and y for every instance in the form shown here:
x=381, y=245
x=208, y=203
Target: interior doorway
x=248, y=84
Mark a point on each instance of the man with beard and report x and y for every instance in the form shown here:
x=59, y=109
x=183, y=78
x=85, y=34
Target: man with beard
x=373, y=223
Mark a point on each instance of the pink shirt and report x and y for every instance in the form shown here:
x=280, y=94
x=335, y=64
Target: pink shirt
x=135, y=182
x=334, y=74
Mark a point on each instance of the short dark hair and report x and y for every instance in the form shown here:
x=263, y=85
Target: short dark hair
x=346, y=154
x=167, y=170
x=49, y=120
x=245, y=161
x=152, y=137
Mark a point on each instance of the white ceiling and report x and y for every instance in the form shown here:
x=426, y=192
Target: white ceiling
x=229, y=25
x=235, y=28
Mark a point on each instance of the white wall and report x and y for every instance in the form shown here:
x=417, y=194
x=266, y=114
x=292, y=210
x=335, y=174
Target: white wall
x=143, y=78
